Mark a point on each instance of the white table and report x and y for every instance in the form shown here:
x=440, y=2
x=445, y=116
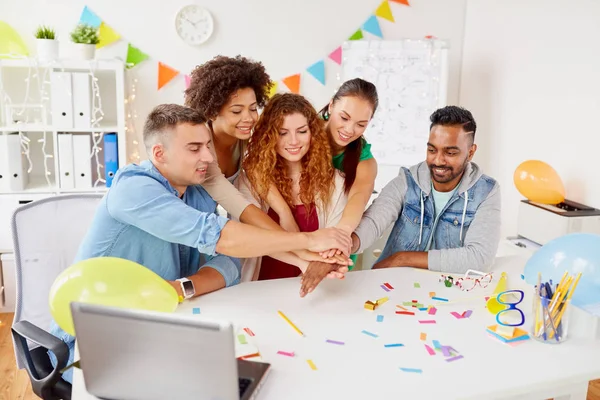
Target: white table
x=363, y=368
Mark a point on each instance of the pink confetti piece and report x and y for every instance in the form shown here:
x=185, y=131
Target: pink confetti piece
x=467, y=313
x=285, y=353
x=432, y=311
x=249, y=332
x=430, y=350
x=454, y=358
x=427, y=321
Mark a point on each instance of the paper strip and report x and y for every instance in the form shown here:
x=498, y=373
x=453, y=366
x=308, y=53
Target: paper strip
x=446, y=351
x=437, y=344
x=382, y=300
x=432, y=311
x=405, y=313
x=312, y=365
x=454, y=358
x=431, y=294
x=388, y=285
x=430, y=350
x=242, y=339
x=402, y=308
x=423, y=336
x=334, y=342
x=457, y=315
x=385, y=288
x=407, y=303
x=415, y=370
x=439, y=298
x=249, y=332
x=422, y=308
x=467, y=313
x=417, y=285
x=393, y=345
x=370, y=334
x=380, y=318
x=195, y=310
x=249, y=356
x=285, y=353
x=427, y=321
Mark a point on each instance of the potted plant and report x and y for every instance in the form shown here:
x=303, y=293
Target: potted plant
x=85, y=38
x=46, y=43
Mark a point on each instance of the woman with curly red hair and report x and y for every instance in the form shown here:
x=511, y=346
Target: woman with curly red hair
x=289, y=151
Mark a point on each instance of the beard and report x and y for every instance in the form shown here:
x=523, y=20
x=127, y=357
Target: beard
x=446, y=173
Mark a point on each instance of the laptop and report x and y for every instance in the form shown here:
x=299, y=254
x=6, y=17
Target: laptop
x=133, y=354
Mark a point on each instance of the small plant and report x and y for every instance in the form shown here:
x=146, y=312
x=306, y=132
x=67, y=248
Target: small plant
x=45, y=32
x=85, y=34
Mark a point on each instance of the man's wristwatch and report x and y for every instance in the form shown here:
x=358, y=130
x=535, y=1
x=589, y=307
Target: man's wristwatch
x=187, y=288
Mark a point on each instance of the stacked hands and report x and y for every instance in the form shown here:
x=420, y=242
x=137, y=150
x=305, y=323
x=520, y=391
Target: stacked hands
x=328, y=256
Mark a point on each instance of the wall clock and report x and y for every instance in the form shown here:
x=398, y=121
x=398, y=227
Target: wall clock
x=194, y=24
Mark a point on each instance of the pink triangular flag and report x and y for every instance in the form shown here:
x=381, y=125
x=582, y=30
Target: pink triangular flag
x=336, y=55
x=188, y=80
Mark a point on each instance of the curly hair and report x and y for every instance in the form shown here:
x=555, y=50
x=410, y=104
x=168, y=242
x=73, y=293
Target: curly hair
x=213, y=82
x=265, y=167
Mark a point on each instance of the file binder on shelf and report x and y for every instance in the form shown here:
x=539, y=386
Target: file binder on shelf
x=13, y=171
x=111, y=157
x=82, y=161
x=61, y=99
x=65, y=161
x=82, y=100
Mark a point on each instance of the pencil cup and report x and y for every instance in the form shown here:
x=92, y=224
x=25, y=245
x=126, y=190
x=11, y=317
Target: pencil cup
x=550, y=319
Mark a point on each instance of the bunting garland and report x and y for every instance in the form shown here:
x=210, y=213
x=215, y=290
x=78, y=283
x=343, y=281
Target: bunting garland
x=166, y=74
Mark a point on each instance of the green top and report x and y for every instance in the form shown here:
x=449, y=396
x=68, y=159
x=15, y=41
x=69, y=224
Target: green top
x=338, y=163
x=365, y=154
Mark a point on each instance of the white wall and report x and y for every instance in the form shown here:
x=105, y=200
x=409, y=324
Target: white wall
x=530, y=74
x=286, y=35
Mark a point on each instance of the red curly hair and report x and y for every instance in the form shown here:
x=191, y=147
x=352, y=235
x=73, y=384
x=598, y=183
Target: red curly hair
x=265, y=167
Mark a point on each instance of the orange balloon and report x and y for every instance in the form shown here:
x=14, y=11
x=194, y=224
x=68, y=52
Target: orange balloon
x=539, y=182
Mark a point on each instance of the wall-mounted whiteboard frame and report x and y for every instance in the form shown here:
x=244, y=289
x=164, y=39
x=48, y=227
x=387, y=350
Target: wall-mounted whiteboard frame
x=411, y=76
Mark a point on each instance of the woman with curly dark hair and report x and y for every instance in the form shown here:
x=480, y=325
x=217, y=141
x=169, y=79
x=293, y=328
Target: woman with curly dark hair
x=290, y=151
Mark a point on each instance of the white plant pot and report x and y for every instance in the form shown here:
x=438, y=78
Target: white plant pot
x=83, y=51
x=47, y=49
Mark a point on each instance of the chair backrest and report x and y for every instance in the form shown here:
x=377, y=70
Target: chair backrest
x=46, y=237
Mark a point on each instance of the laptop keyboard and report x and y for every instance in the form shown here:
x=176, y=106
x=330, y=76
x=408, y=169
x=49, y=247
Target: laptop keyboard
x=244, y=384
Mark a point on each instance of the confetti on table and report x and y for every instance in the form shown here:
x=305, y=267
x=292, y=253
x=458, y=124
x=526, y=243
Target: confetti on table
x=312, y=365
x=407, y=303
x=195, y=310
x=380, y=318
x=423, y=309
x=430, y=350
x=369, y=305
x=385, y=288
x=417, y=285
x=388, y=286
x=423, y=336
x=437, y=344
x=370, y=334
x=382, y=300
x=249, y=356
x=282, y=315
x=415, y=370
x=402, y=308
x=457, y=315
x=454, y=358
x=249, y=332
x=439, y=298
x=432, y=311
x=334, y=342
x=446, y=351
x=285, y=353
x=431, y=294
x=242, y=339
x=486, y=298
x=427, y=321
x=405, y=312
x=393, y=345
x=467, y=313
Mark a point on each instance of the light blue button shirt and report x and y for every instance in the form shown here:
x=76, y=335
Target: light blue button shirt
x=143, y=219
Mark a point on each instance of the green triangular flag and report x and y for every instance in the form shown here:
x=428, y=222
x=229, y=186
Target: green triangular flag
x=134, y=56
x=357, y=35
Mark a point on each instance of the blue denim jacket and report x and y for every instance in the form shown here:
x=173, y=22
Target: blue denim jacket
x=466, y=233
x=142, y=219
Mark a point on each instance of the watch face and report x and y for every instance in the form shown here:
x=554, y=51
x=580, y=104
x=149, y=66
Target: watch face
x=194, y=24
x=188, y=288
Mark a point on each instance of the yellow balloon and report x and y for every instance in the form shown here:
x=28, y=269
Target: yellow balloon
x=10, y=42
x=539, y=182
x=109, y=281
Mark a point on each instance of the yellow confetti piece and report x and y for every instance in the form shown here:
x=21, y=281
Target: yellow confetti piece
x=312, y=365
x=431, y=294
x=382, y=300
x=423, y=336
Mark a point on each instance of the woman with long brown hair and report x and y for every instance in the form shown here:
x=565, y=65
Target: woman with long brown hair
x=290, y=150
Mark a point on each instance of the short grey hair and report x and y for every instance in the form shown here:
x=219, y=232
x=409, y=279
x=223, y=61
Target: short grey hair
x=166, y=117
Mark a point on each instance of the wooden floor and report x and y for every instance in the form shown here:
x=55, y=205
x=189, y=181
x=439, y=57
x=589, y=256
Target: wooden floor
x=14, y=384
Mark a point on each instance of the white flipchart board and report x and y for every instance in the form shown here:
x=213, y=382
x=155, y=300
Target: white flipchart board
x=411, y=77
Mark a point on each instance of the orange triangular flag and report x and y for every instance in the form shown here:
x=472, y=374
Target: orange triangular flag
x=405, y=2
x=293, y=83
x=165, y=74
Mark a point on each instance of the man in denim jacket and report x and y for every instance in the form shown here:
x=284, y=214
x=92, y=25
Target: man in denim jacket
x=159, y=216
x=446, y=212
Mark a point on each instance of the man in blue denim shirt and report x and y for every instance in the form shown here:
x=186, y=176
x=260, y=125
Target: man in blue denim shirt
x=445, y=211
x=159, y=216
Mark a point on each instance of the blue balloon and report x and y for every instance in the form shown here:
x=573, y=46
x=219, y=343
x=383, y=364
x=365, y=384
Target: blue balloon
x=574, y=253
